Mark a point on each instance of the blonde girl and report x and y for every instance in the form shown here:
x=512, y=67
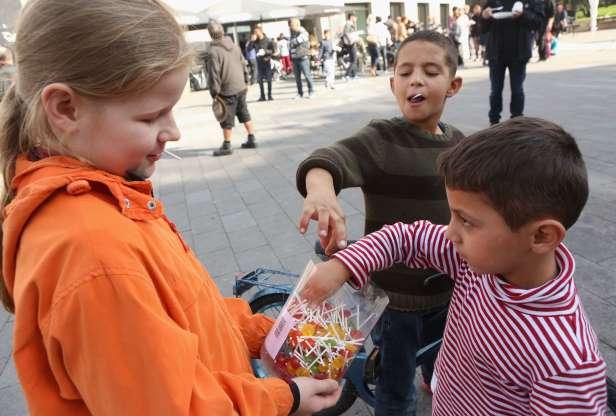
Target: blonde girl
x=113, y=313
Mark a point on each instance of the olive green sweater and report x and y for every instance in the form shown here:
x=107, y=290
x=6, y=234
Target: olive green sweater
x=394, y=163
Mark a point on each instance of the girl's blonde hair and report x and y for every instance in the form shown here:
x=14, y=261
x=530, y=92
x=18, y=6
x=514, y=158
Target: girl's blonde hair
x=99, y=48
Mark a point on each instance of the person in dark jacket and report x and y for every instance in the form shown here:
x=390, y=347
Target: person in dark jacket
x=227, y=79
x=265, y=50
x=510, y=27
x=546, y=26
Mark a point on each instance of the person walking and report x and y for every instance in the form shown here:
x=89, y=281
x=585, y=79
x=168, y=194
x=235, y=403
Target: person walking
x=299, y=48
x=285, y=57
x=227, y=78
x=327, y=55
x=542, y=33
x=350, y=37
x=509, y=48
x=251, y=57
x=372, y=40
x=265, y=50
x=385, y=41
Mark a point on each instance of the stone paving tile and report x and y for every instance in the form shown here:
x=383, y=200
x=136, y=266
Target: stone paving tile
x=219, y=262
x=258, y=257
x=12, y=401
x=211, y=241
x=8, y=377
x=246, y=238
x=601, y=315
x=202, y=209
x=6, y=335
x=238, y=221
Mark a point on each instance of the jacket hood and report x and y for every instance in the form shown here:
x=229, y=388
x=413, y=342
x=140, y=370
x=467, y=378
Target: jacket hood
x=225, y=43
x=555, y=297
x=37, y=181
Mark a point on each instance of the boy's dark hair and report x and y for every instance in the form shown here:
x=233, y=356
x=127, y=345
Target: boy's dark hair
x=528, y=168
x=435, y=38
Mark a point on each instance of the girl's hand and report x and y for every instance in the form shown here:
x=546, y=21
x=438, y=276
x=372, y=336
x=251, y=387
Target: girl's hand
x=316, y=395
x=325, y=280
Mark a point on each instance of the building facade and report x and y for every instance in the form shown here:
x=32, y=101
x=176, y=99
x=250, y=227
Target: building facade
x=425, y=13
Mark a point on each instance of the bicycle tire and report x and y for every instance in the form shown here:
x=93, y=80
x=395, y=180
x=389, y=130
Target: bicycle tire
x=262, y=303
x=349, y=394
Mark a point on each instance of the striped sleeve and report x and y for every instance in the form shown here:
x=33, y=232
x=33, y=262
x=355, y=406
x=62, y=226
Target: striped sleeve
x=579, y=391
x=419, y=245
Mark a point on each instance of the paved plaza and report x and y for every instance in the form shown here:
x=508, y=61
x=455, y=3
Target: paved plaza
x=240, y=212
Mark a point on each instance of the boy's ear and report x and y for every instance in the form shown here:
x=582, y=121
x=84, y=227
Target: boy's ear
x=391, y=85
x=547, y=235
x=454, y=86
x=60, y=103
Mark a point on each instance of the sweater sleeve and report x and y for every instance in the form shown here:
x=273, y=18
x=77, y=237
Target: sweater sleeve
x=347, y=161
x=213, y=74
x=420, y=245
x=254, y=327
x=578, y=391
x=112, y=343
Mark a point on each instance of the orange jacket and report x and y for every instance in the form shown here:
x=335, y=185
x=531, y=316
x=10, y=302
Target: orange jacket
x=114, y=314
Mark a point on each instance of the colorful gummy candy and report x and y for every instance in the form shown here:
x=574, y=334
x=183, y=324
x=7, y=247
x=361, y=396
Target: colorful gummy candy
x=322, y=341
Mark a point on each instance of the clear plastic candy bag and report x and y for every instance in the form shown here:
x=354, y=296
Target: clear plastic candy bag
x=321, y=341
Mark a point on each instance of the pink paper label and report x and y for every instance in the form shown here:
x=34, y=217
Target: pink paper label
x=278, y=334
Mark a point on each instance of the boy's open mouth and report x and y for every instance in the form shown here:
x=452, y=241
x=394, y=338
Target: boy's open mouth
x=417, y=98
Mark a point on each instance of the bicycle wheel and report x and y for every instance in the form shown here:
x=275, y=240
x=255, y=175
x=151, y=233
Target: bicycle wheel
x=270, y=304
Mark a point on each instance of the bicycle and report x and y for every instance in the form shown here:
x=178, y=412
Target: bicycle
x=271, y=290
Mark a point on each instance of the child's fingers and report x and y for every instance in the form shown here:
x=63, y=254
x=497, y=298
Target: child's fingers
x=305, y=218
x=323, y=222
x=338, y=222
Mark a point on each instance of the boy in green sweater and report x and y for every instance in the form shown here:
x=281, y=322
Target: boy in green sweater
x=381, y=158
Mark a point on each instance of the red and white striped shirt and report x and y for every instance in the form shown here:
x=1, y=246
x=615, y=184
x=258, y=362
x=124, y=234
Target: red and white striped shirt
x=506, y=351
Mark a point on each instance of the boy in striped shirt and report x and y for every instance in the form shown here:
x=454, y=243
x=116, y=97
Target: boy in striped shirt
x=517, y=340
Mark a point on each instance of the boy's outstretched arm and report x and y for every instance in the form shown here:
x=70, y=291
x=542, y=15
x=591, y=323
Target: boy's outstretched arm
x=419, y=245
x=321, y=204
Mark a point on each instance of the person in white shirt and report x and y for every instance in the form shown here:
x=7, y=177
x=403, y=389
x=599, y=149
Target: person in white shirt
x=385, y=41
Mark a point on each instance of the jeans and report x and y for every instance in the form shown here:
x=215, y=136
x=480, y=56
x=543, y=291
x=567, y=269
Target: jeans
x=399, y=336
x=517, y=74
x=383, y=53
x=302, y=65
x=329, y=67
x=350, y=72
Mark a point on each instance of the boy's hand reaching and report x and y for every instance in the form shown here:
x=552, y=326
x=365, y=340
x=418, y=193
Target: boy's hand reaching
x=316, y=395
x=325, y=280
x=321, y=204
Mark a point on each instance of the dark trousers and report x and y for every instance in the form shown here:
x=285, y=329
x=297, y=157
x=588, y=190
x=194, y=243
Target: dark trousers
x=399, y=336
x=350, y=72
x=517, y=74
x=265, y=74
x=383, y=54
x=252, y=63
x=542, y=47
x=302, y=65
